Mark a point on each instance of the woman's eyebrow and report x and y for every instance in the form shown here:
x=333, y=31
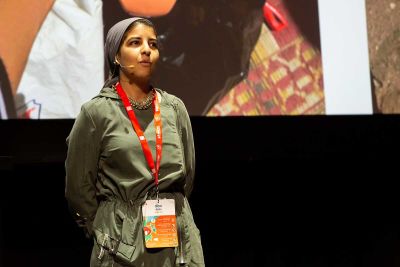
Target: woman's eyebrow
x=138, y=37
x=134, y=37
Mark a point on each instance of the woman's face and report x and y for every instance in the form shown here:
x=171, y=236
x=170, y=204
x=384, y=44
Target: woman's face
x=138, y=53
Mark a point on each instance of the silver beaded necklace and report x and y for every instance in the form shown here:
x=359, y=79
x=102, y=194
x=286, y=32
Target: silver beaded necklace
x=141, y=105
x=144, y=104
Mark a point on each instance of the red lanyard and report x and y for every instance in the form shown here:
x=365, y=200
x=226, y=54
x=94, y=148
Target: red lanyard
x=157, y=123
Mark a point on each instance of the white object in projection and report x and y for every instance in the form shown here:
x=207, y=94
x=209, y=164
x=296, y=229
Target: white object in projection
x=345, y=59
x=65, y=66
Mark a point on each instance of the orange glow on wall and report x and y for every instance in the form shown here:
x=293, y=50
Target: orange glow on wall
x=147, y=8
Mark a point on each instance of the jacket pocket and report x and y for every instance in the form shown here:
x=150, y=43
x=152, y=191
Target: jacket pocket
x=113, y=246
x=115, y=232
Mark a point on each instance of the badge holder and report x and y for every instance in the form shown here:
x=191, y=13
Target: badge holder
x=159, y=223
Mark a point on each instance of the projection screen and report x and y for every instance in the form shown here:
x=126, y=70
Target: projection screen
x=222, y=58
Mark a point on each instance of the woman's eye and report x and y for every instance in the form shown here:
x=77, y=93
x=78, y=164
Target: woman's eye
x=135, y=42
x=154, y=45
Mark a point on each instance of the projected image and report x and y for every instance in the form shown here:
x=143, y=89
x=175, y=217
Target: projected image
x=223, y=58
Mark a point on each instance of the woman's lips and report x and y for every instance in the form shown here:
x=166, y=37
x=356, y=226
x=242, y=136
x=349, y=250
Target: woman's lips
x=145, y=63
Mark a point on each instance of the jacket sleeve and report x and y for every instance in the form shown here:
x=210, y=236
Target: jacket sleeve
x=185, y=129
x=81, y=170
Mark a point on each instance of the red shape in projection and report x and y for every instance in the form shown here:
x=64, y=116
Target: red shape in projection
x=275, y=20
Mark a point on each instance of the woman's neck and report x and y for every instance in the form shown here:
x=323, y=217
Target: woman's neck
x=136, y=90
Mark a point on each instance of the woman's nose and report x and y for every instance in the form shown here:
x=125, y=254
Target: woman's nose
x=146, y=49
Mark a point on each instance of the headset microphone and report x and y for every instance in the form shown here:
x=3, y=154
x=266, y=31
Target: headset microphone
x=129, y=66
x=122, y=66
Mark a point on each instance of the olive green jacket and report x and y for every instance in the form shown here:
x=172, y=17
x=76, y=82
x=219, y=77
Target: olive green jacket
x=107, y=178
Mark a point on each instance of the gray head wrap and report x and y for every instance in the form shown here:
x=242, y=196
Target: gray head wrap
x=113, y=40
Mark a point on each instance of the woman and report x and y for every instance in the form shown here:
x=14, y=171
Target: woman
x=118, y=162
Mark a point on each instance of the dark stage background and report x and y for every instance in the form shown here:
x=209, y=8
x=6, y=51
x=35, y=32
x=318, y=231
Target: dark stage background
x=269, y=191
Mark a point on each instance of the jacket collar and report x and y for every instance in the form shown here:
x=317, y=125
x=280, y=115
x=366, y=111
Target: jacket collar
x=111, y=93
x=108, y=92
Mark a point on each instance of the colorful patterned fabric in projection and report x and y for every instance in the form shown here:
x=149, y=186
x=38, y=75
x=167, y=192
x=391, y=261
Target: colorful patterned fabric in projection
x=285, y=76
